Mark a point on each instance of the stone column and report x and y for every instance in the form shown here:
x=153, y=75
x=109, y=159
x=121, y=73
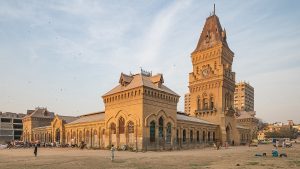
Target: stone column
x=126, y=135
x=117, y=136
x=100, y=137
x=157, y=136
x=136, y=136
x=173, y=136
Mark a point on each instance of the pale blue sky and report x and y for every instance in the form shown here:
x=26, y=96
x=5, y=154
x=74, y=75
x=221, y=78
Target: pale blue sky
x=66, y=54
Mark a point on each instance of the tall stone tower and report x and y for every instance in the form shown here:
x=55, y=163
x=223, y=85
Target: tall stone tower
x=212, y=82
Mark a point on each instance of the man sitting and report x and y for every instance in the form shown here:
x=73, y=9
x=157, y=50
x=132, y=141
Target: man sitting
x=275, y=153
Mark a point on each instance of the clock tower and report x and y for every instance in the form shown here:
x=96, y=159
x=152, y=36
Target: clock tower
x=212, y=82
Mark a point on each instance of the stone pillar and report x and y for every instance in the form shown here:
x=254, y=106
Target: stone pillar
x=173, y=136
x=136, y=136
x=157, y=136
x=100, y=137
x=117, y=136
x=126, y=135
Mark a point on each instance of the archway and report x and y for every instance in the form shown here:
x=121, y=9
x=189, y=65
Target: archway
x=161, y=130
x=57, y=135
x=130, y=133
x=152, y=132
x=228, y=134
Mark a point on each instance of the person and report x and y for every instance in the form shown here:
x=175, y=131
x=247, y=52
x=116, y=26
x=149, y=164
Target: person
x=35, y=150
x=275, y=153
x=112, y=152
x=283, y=144
x=277, y=144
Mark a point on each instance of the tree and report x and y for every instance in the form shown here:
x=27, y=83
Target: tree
x=284, y=132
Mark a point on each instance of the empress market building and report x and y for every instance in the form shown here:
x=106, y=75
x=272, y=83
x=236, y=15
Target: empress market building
x=141, y=112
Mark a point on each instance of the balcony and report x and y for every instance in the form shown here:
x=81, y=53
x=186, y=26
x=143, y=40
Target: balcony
x=205, y=111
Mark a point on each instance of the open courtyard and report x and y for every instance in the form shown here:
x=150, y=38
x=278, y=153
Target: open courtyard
x=233, y=157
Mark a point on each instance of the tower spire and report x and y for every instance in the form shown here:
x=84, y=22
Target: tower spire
x=214, y=9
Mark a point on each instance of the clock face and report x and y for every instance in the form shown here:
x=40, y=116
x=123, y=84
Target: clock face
x=205, y=72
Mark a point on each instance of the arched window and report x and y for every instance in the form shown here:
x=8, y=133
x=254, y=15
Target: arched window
x=113, y=128
x=177, y=136
x=198, y=136
x=74, y=135
x=57, y=135
x=152, y=131
x=130, y=127
x=160, y=127
x=184, y=136
x=205, y=104
x=68, y=137
x=211, y=103
x=191, y=136
x=169, y=133
x=87, y=136
x=203, y=136
x=80, y=136
x=121, y=125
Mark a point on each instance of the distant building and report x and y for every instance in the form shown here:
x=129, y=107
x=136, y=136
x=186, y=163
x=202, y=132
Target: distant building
x=187, y=103
x=11, y=126
x=248, y=119
x=276, y=126
x=244, y=97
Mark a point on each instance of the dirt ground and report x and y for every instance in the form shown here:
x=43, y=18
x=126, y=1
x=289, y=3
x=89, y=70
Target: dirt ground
x=240, y=157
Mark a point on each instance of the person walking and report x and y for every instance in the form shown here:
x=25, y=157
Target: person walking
x=35, y=150
x=112, y=152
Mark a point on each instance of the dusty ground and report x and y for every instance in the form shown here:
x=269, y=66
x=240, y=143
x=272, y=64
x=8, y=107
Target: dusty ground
x=61, y=158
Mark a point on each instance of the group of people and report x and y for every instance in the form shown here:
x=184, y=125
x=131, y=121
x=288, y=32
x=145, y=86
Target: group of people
x=275, y=152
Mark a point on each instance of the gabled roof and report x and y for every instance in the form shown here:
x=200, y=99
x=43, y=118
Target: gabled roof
x=211, y=34
x=192, y=119
x=139, y=80
x=92, y=117
x=41, y=113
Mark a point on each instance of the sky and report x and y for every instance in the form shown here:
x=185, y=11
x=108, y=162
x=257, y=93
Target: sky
x=65, y=54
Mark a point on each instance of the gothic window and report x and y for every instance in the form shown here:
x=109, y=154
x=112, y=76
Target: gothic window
x=177, y=137
x=198, y=103
x=205, y=104
x=191, y=136
x=152, y=131
x=169, y=132
x=184, y=136
x=211, y=103
x=80, y=136
x=198, y=136
x=161, y=127
x=113, y=128
x=130, y=127
x=57, y=135
x=87, y=136
x=121, y=125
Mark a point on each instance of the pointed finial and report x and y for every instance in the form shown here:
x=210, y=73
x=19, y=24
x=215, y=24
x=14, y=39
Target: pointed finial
x=214, y=9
